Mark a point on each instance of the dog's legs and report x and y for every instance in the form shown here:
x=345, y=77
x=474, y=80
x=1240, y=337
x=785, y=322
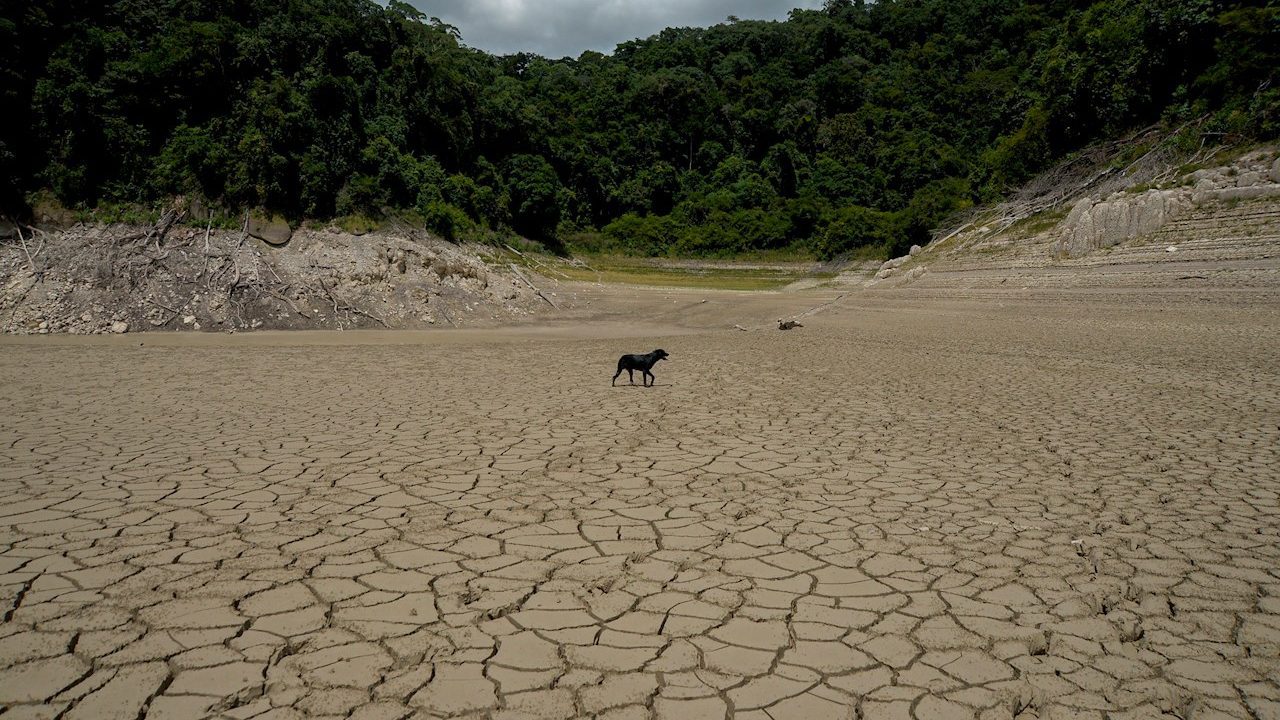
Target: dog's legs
x=631, y=376
x=614, y=381
x=650, y=376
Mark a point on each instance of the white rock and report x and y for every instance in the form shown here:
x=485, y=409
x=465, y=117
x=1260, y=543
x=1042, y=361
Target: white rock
x=1090, y=226
x=1275, y=171
x=915, y=250
x=1248, y=193
x=1171, y=248
x=119, y=327
x=188, y=319
x=1248, y=179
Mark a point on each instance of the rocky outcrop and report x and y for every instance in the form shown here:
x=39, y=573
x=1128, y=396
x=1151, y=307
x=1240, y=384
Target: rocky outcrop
x=1095, y=224
x=888, y=266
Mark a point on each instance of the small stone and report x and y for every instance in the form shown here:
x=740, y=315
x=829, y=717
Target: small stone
x=188, y=319
x=119, y=327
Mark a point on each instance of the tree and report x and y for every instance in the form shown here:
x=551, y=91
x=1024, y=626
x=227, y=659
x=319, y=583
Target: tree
x=534, y=193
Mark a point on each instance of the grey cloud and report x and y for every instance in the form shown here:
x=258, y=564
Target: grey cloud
x=556, y=28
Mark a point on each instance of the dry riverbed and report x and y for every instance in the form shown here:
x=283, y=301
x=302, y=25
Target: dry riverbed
x=912, y=507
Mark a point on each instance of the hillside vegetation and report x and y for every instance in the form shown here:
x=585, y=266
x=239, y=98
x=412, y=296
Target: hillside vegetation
x=852, y=129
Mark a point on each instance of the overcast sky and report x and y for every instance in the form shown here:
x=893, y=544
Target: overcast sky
x=558, y=28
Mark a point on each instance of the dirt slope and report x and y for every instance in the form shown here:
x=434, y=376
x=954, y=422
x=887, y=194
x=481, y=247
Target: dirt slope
x=95, y=279
x=1215, y=227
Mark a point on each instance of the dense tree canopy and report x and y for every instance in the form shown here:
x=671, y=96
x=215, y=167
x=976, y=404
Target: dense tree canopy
x=862, y=124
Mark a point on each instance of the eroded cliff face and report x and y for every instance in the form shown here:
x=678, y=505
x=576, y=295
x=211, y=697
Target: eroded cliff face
x=1103, y=227
x=1097, y=223
x=114, y=279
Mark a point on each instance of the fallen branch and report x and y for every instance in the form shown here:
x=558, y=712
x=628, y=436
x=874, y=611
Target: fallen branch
x=166, y=321
x=205, y=265
x=282, y=297
x=819, y=308
x=541, y=266
x=349, y=308
x=161, y=228
x=520, y=275
x=448, y=319
x=953, y=233
x=159, y=304
x=31, y=257
x=235, y=255
x=369, y=315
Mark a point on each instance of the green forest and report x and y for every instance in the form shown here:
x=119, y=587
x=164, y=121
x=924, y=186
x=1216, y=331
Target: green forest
x=852, y=129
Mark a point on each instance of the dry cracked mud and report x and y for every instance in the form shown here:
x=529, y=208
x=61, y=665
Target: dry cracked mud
x=917, y=509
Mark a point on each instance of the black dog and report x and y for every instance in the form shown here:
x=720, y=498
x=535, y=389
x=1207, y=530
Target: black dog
x=643, y=363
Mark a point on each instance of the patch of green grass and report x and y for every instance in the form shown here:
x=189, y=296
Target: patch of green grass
x=709, y=275
x=868, y=252
x=357, y=224
x=1040, y=222
x=109, y=213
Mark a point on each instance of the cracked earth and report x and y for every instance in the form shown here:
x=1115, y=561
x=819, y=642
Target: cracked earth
x=925, y=509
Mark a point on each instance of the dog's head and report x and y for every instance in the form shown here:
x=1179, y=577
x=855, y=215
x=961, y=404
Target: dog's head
x=660, y=354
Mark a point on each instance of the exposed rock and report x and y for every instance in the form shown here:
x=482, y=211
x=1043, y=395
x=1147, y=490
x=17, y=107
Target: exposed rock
x=1204, y=191
x=1245, y=193
x=913, y=273
x=119, y=327
x=1250, y=178
x=1093, y=225
x=881, y=275
x=272, y=231
x=894, y=263
x=915, y=250
x=1275, y=171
